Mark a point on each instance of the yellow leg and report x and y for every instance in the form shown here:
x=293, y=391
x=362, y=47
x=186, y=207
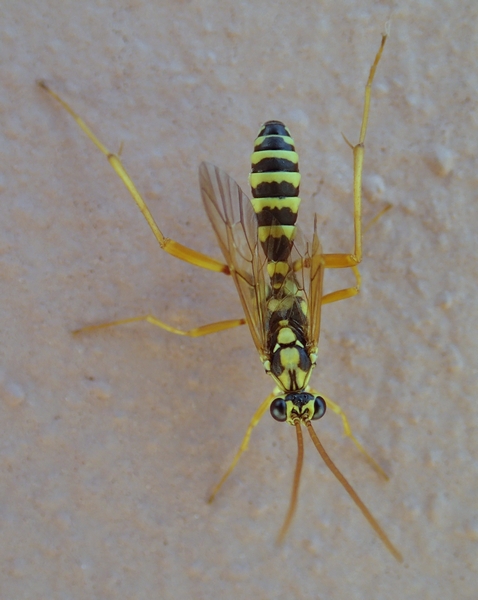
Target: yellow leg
x=168, y=245
x=339, y=261
x=353, y=291
x=196, y=332
x=346, y=293
x=384, y=210
x=245, y=442
x=348, y=432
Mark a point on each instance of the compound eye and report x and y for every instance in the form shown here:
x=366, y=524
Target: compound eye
x=278, y=409
x=319, y=408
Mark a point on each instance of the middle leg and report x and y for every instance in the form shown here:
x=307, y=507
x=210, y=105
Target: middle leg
x=195, y=332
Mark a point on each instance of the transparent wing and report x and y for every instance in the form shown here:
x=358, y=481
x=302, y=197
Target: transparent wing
x=309, y=270
x=234, y=222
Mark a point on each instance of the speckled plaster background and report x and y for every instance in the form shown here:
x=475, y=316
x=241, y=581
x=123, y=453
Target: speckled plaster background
x=110, y=443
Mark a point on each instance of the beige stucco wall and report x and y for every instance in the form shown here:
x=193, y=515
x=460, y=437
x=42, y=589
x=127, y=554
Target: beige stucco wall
x=110, y=442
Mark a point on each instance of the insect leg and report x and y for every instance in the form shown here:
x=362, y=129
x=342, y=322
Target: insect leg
x=345, y=293
x=338, y=261
x=196, y=332
x=348, y=432
x=245, y=442
x=168, y=245
x=353, y=291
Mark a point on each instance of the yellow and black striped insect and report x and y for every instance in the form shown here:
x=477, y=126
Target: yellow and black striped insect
x=278, y=275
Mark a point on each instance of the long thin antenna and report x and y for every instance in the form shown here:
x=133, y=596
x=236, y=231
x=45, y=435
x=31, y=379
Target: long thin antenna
x=295, y=485
x=352, y=493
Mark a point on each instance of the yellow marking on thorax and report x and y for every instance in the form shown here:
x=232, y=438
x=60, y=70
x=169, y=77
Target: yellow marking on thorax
x=289, y=358
x=292, y=377
x=282, y=304
x=277, y=268
x=286, y=336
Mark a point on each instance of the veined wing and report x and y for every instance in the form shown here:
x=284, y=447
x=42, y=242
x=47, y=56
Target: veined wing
x=309, y=271
x=235, y=224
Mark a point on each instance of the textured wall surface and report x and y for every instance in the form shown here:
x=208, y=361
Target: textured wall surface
x=110, y=442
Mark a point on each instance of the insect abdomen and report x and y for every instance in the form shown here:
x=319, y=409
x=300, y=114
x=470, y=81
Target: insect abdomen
x=275, y=181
